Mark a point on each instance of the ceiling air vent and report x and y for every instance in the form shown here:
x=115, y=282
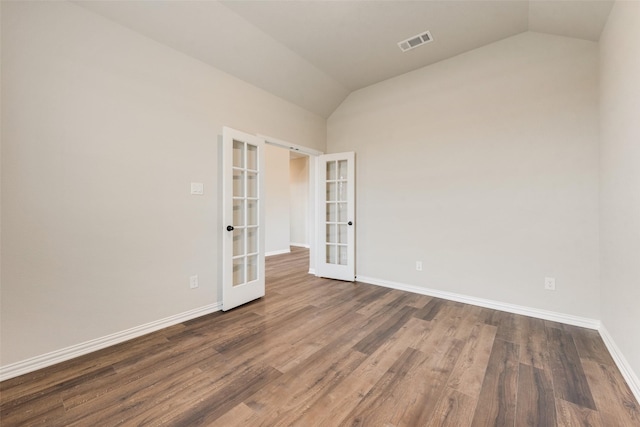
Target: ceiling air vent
x=415, y=41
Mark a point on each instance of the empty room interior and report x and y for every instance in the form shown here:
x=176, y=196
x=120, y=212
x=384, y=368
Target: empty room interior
x=320, y=213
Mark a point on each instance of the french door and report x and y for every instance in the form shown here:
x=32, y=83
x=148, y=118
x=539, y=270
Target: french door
x=336, y=209
x=243, y=218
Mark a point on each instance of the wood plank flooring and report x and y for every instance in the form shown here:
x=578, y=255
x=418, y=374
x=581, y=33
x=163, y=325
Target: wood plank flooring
x=317, y=352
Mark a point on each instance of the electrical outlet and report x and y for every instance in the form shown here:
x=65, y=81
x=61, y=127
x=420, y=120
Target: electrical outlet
x=550, y=283
x=193, y=282
x=419, y=265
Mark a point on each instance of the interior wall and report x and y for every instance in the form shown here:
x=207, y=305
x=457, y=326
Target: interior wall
x=485, y=168
x=620, y=179
x=102, y=132
x=299, y=191
x=276, y=200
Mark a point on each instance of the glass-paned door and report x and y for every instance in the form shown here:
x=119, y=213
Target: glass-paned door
x=243, y=218
x=336, y=251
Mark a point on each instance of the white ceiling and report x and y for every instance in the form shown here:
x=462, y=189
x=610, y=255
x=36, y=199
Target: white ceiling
x=314, y=53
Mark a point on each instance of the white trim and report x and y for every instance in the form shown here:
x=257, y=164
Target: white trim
x=278, y=252
x=312, y=224
x=300, y=245
x=312, y=271
x=289, y=146
x=57, y=356
x=625, y=369
x=569, y=319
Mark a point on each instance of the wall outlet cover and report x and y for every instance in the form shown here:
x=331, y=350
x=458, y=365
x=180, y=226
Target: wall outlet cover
x=550, y=283
x=193, y=282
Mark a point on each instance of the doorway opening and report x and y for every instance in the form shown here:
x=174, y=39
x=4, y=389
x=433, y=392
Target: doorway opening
x=290, y=198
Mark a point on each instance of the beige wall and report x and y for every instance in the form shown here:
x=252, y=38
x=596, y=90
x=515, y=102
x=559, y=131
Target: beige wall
x=102, y=132
x=485, y=168
x=620, y=179
x=277, y=200
x=299, y=190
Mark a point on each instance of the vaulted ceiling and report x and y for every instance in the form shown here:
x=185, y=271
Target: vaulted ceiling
x=314, y=53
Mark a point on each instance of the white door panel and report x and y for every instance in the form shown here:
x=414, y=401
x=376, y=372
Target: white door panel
x=336, y=216
x=243, y=218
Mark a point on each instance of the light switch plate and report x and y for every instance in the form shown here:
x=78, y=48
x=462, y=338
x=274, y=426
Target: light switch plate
x=197, y=188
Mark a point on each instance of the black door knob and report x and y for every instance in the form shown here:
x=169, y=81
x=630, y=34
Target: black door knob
x=350, y=223
x=229, y=227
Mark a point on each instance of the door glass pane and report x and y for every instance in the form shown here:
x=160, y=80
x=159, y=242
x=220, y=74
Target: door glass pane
x=252, y=268
x=332, y=254
x=252, y=184
x=238, y=183
x=252, y=157
x=342, y=233
x=331, y=233
x=252, y=212
x=332, y=191
x=238, y=242
x=342, y=169
x=252, y=240
x=342, y=255
x=238, y=212
x=332, y=215
x=342, y=191
x=342, y=212
x=238, y=154
x=331, y=171
x=238, y=271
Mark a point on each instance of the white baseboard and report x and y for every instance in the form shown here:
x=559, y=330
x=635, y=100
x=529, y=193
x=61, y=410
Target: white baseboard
x=625, y=369
x=57, y=356
x=300, y=245
x=496, y=305
x=278, y=252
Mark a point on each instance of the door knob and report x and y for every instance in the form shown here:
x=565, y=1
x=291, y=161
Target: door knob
x=350, y=223
x=229, y=227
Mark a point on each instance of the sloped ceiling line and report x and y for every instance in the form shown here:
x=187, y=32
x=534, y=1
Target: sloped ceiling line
x=314, y=53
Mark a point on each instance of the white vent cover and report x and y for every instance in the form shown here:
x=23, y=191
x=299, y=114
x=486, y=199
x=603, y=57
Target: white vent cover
x=415, y=41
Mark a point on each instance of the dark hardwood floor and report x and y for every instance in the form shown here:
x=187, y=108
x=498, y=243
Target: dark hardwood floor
x=317, y=352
